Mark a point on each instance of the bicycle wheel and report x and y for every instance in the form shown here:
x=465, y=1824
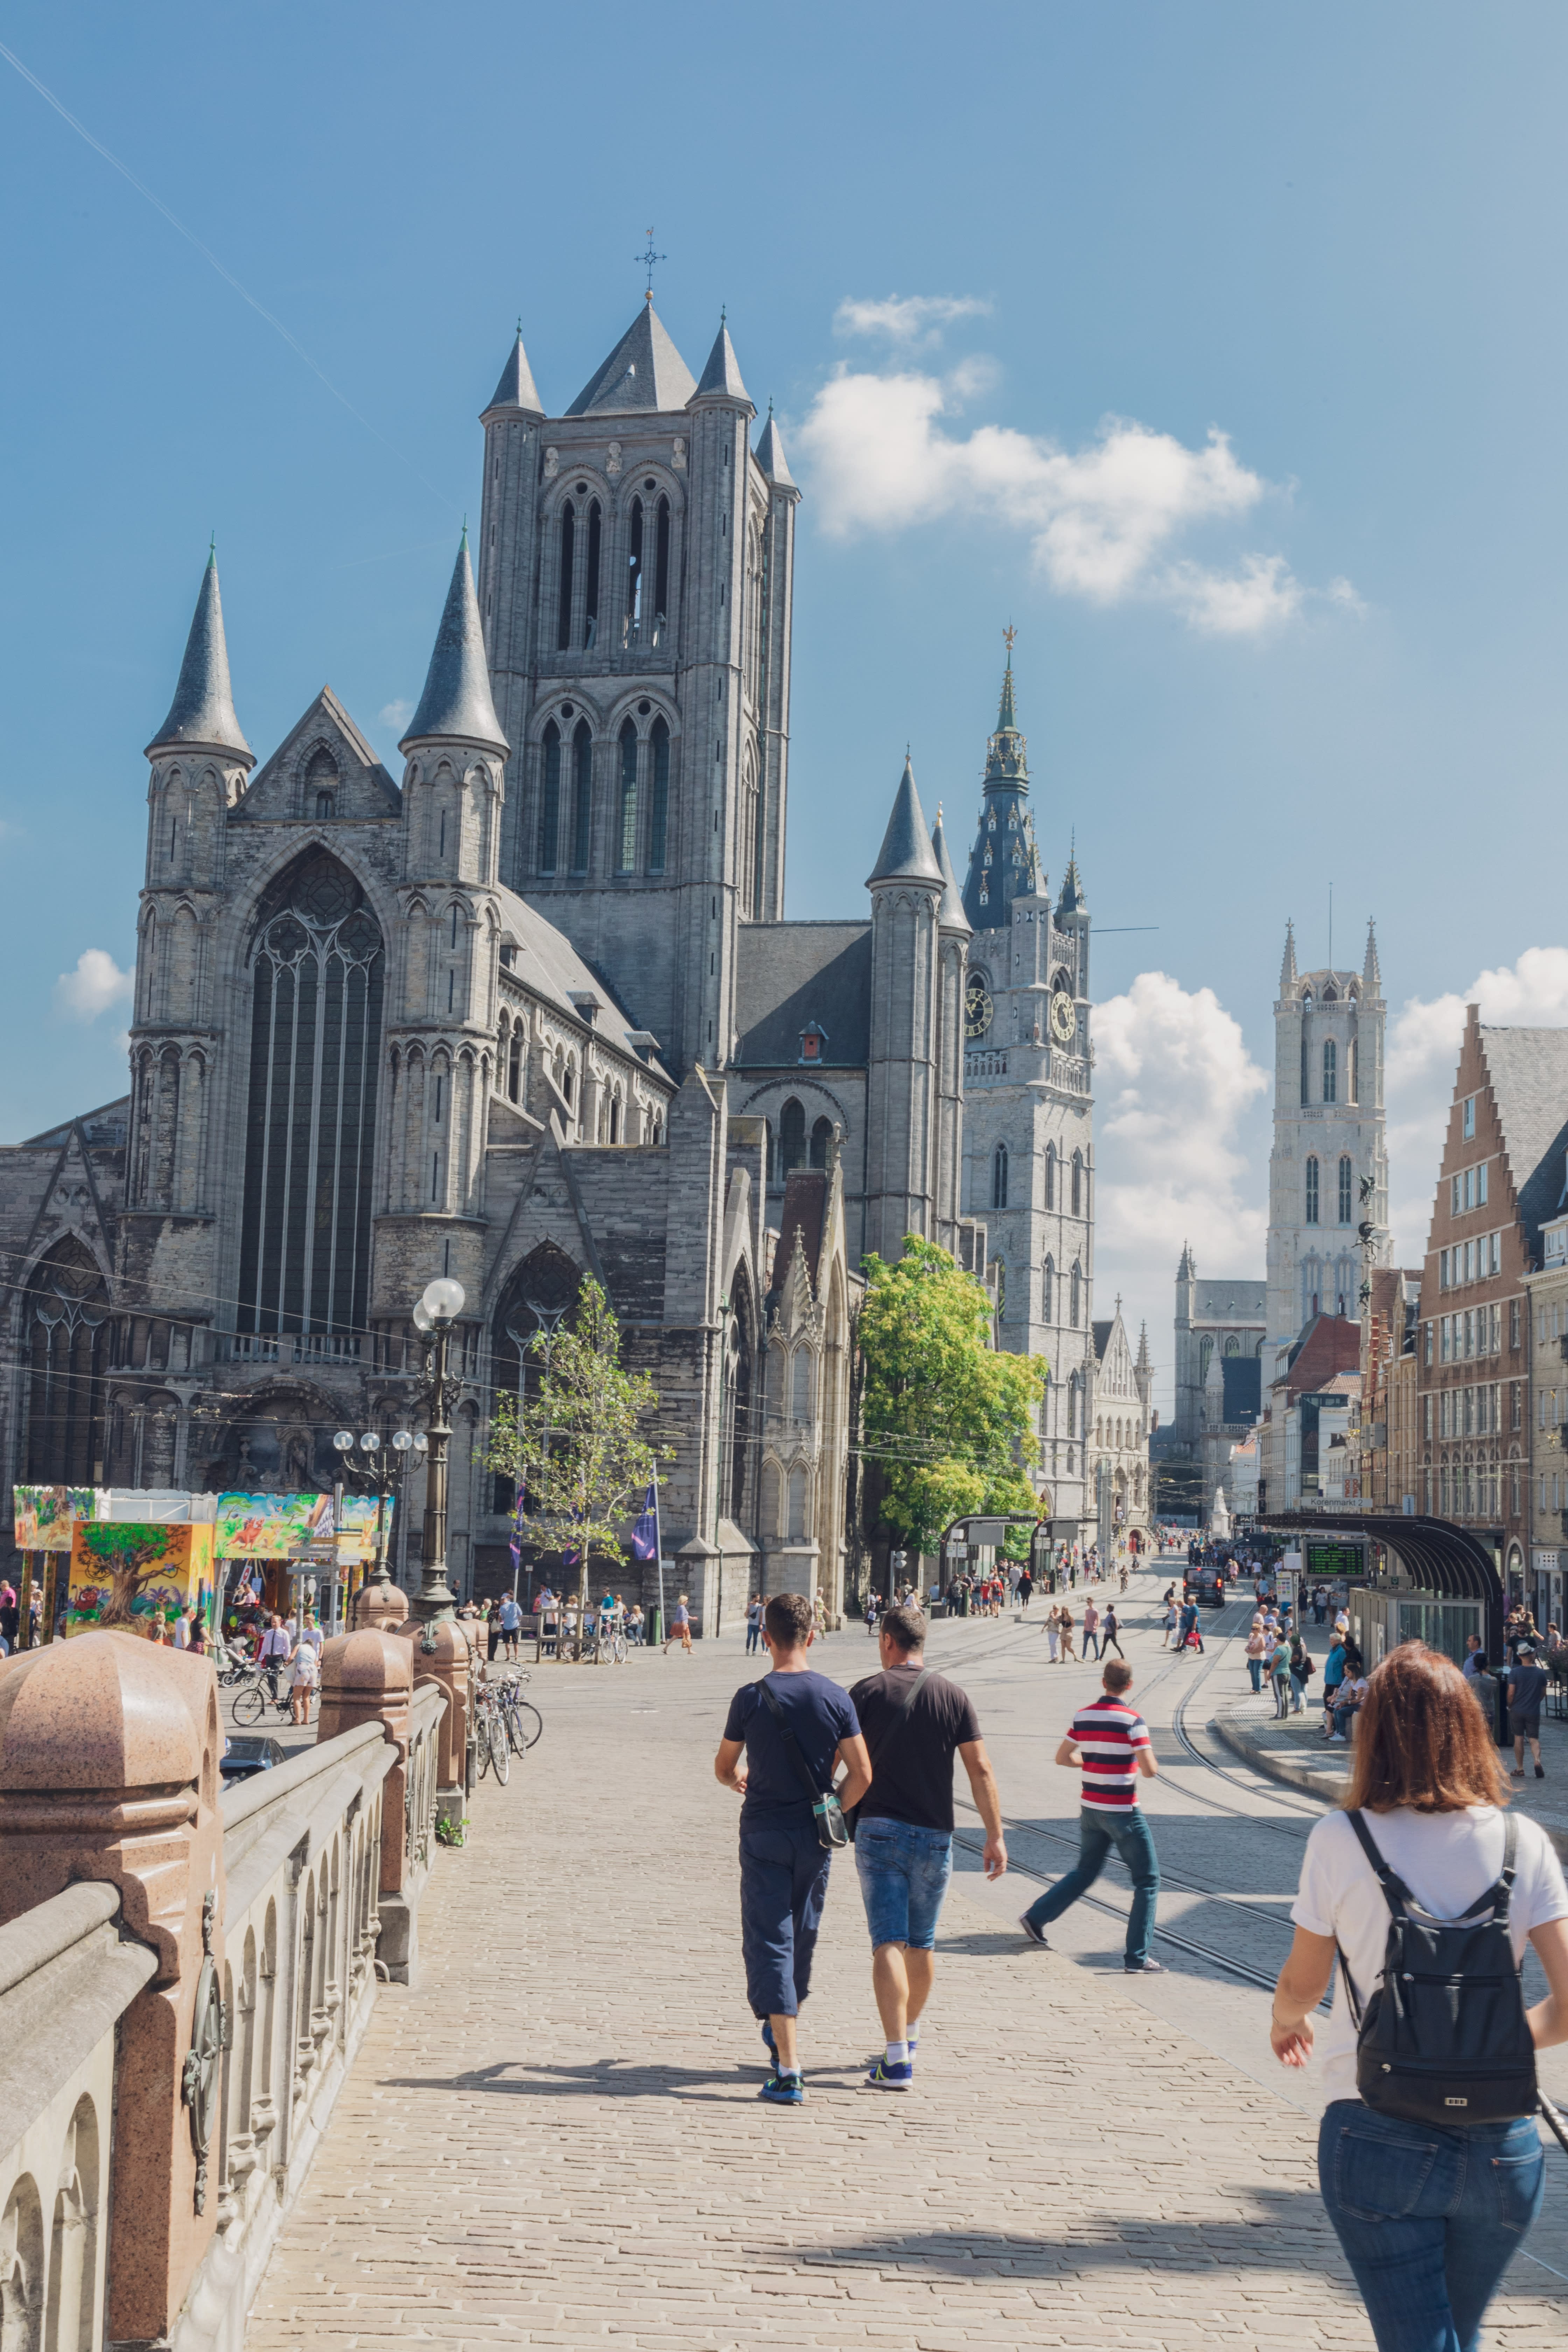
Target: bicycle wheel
x=527, y=1713
x=618, y=1650
x=250, y=1705
x=517, y=1739
x=501, y=1753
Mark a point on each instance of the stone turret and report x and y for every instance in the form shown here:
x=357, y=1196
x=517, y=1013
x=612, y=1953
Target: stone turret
x=902, y=1121
x=952, y=925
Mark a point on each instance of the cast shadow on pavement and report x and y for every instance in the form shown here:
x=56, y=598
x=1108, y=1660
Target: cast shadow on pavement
x=602, y=2078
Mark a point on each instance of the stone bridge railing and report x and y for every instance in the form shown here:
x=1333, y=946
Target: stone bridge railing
x=186, y=1972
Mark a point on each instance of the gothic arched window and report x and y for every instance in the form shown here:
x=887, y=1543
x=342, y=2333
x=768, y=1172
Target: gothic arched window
x=792, y=1136
x=1355, y=1070
x=591, y=580
x=541, y=1291
x=1347, y=1186
x=568, y=549
x=821, y=1138
x=582, y=795
x=1331, y=1071
x=627, y=862
x=514, y=1067
x=1073, y=1392
x=1077, y=1185
x=549, y=800
x=1313, y=1189
x=1073, y=1299
x=1305, y=1090
x=661, y=567
x=634, y=571
x=320, y=784
x=999, y=1177
x=1047, y=1300
x=316, y=967
x=1050, y=1175
x=659, y=796
x=64, y=1351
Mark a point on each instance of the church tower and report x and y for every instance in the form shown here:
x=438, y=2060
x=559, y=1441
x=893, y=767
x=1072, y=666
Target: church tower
x=903, y=1108
x=634, y=582
x=1328, y=1172
x=1029, y=1125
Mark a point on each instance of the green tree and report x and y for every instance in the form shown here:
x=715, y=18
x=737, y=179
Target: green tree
x=575, y=1448
x=950, y=1418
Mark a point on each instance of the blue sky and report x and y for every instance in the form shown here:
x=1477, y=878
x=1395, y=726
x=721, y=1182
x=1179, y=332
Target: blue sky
x=1324, y=648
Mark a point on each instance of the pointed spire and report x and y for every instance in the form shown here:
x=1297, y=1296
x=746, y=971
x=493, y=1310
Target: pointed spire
x=951, y=916
x=770, y=457
x=644, y=370
x=1006, y=724
x=1186, y=1269
x=517, y=388
x=1288, y=964
x=456, y=702
x=202, y=709
x=1142, y=1364
x=907, y=854
x=1371, y=978
x=721, y=376
x=1072, y=901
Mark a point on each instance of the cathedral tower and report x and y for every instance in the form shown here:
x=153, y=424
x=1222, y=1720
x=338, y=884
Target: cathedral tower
x=1328, y=1172
x=634, y=582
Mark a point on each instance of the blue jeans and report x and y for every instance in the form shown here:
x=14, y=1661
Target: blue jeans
x=1428, y=2217
x=903, y=1872
x=1255, y=1668
x=783, y=1886
x=1098, y=1832
x=753, y=1638
x=1089, y=1636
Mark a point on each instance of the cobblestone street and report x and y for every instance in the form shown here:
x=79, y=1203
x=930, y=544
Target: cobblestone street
x=554, y=2139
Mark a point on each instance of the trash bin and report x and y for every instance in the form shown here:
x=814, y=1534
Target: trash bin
x=653, y=1634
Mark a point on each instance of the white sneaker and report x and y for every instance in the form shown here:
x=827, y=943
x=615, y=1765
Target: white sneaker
x=1338, y=1739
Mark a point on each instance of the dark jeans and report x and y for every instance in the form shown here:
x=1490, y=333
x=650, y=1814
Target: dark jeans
x=783, y=1886
x=1090, y=1636
x=1098, y=1832
x=753, y=1638
x=1428, y=2218
x=1255, y=1668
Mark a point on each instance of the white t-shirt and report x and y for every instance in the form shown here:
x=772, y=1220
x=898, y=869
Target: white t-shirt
x=1448, y=1860
x=305, y=1666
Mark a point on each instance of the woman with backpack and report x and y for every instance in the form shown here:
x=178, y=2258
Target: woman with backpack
x=1428, y=2156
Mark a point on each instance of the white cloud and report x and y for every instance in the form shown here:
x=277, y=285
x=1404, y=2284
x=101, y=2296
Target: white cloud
x=95, y=984
x=1173, y=1084
x=908, y=318
x=1105, y=519
x=397, y=714
x=1423, y=1055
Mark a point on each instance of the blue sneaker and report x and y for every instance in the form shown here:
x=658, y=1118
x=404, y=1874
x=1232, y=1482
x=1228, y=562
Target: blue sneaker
x=784, y=2091
x=883, y=2077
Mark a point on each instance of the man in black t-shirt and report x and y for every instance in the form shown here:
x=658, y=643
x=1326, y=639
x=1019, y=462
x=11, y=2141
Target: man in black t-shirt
x=914, y=1721
x=1526, y=1689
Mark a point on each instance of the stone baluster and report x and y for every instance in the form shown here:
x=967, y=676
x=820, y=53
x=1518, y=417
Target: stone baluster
x=109, y=1770
x=367, y=1676
x=443, y=1653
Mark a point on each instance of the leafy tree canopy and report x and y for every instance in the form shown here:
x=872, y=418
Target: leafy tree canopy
x=951, y=1419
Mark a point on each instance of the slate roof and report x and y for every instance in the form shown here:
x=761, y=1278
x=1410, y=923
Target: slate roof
x=456, y=702
x=1529, y=1074
x=770, y=457
x=787, y=974
x=108, y=1124
x=722, y=372
x=202, y=709
x=517, y=388
x=644, y=370
x=805, y=1212
x=1006, y=829
x=906, y=854
x=546, y=962
x=951, y=916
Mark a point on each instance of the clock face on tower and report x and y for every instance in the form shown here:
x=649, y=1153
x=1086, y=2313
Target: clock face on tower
x=1064, y=1019
x=977, y=1007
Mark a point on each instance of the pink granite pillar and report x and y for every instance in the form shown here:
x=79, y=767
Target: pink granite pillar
x=368, y=1677
x=448, y=1661
x=109, y=1770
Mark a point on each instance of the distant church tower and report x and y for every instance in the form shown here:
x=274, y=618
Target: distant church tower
x=1329, y=1138
x=1028, y=1125
x=636, y=576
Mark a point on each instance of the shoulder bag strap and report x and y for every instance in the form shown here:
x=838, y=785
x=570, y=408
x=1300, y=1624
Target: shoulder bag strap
x=1502, y=1893
x=1395, y=1893
x=792, y=1745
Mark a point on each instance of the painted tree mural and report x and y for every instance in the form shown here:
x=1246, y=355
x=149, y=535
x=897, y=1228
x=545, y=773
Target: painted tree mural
x=130, y=1558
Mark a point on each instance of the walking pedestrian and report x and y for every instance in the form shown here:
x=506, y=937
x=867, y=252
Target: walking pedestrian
x=1111, y=1740
x=680, y=1625
x=913, y=1722
x=1279, y=1673
x=1302, y=1669
x=1110, y=1633
x=795, y=1728
x=304, y=1674
x=1067, y=1649
x=1026, y=1590
x=1428, y=2214
x=1053, y=1634
x=1526, y=1689
x=1170, y=1621
x=1189, y=1630
x=753, y=1623
x=510, y=1625
x=1090, y=1626
x=1255, y=1647
x=275, y=1650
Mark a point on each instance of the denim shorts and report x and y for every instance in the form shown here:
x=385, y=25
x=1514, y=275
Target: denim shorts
x=903, y=1874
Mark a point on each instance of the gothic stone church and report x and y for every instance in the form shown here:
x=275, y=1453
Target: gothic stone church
x=532, y=1012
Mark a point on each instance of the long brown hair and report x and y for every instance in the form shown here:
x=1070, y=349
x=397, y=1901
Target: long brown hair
x=1422, y=1738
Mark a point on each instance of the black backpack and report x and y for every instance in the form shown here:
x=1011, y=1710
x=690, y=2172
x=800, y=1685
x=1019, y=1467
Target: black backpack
x=1444, y=2039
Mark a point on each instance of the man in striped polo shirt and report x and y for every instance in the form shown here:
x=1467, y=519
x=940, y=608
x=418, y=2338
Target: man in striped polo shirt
x=1111, y=1740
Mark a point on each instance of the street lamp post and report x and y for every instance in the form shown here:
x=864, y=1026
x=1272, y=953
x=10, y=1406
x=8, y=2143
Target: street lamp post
x=381, y=1458
x=435, y=1314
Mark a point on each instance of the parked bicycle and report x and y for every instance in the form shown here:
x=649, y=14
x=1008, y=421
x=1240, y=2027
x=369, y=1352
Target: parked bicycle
x=523, y=1722
x=249, y=1704
x=490, y=1734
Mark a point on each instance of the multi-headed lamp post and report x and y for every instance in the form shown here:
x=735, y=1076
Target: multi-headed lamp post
x=384, y=1460
x=434, y=1316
